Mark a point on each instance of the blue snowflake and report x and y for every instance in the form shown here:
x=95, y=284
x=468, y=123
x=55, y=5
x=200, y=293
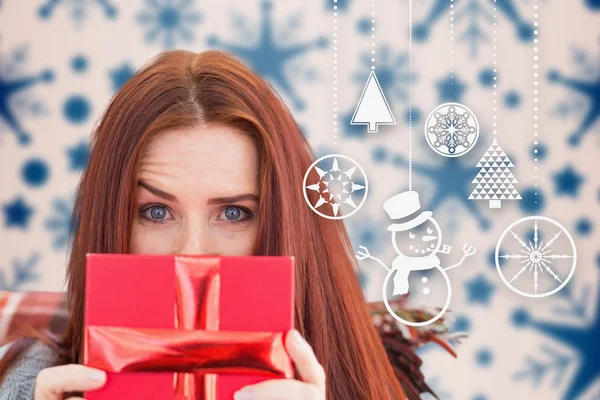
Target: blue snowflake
x=22, y=273
x=168, y=21
x=461, y=323
x=79, y=63
x=450, y=89
x=79, y=9
x=392, y=73
x=78, y=156
x=492, y=258
x=380, y=154
x=77, y=109
x=583, y=226
x=267, y=53
x=413, y=114
x=120, y=75
x=568, y=181
x=452, y=180
x=14, y=85
x=364, y=25
x=582, y=339
x=484, y=357
x=479, y=290
x=476, y=14
x=353, y=131
x=17, y=213
x=536, y=369
x=539, y=151
x=532, y=200
x=573, y=303
x=487, y=77
x=342, y=5
x=59, y=224
x=512, y=99
x=35, y=172
x=587, y=86
x=594, y=5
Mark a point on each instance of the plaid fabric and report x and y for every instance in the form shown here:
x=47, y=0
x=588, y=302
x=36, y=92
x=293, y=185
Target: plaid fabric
x=39, y=310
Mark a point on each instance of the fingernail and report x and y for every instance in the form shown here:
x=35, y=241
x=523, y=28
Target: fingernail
x=96, y=375
x=244, y=394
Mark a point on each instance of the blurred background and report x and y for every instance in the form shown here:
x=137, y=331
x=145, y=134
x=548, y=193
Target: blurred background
x=62, y=60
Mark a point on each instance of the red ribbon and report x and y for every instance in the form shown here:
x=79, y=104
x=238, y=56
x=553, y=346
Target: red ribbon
x=196, y=350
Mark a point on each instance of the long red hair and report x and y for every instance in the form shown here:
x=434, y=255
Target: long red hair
x=183, y=89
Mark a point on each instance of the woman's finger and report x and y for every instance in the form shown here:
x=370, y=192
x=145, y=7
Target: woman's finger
x=309, y=368
x=279, y=389
x=51, y=383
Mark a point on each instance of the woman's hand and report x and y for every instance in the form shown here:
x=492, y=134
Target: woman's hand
x=311, y=372
x=52, y=383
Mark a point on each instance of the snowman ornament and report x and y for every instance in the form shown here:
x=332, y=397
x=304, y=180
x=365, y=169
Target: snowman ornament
x=417, y=240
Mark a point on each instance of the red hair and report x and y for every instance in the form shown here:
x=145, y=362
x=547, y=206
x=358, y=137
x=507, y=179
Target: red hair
x=184, y=89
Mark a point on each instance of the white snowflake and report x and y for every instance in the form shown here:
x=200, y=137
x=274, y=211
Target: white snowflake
x=336, y=187
x=451, y=129
x=537, y=256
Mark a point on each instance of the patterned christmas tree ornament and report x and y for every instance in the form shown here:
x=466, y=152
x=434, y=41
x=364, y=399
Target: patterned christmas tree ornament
x=451, y=130
x=494, y=182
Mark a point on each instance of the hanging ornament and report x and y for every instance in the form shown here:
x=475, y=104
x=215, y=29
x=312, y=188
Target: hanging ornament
x=335, y=186
x=451, y=130
x=417, y=239
x=536, y=256
x=373, y=109
x=494, y=182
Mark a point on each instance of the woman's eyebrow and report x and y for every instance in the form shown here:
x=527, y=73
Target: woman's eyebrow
x=233, y=199
x=156, y=191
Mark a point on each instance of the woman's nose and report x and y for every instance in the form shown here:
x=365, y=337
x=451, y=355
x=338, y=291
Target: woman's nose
x=198, y=241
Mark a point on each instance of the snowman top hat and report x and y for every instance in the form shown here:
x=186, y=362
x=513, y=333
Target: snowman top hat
x=405, y=210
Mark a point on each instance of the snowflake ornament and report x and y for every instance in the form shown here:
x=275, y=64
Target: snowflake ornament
x=337, y=186
x=526, y=250
x=451, y=130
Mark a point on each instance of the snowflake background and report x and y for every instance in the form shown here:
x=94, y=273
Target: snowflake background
x=62, y=60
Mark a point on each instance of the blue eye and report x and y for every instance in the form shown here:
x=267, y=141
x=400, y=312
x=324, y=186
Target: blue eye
x=235, y=214
x=155, y=213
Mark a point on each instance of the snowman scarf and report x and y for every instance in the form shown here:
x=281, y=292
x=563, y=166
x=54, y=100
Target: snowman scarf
x=403, y=265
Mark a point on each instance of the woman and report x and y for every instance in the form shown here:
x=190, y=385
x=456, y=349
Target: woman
x=197, y=155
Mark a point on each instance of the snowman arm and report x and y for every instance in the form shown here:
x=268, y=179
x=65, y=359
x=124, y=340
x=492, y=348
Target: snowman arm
x=364, y=253
x=380, y=262
x=468, y=251
x=457, y=264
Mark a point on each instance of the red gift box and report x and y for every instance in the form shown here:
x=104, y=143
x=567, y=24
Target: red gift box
x=186, y=327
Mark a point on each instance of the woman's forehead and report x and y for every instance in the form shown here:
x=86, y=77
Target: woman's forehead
x=206, y=158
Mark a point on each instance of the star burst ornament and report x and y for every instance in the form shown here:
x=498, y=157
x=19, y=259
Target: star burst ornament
x=541, y=248
x=335, y=186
